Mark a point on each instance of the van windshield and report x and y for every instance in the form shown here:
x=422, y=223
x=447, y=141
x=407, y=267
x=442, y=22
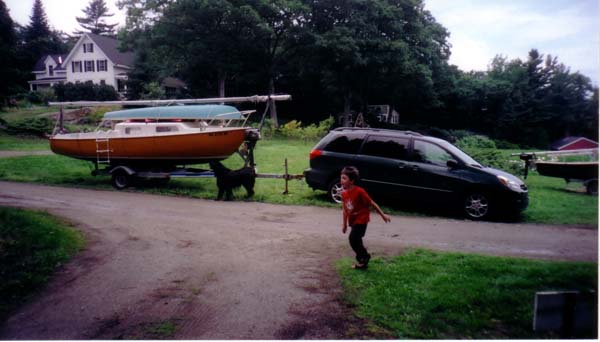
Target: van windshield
x=465, y=158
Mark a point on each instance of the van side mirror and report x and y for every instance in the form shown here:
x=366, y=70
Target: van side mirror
x=453, y=164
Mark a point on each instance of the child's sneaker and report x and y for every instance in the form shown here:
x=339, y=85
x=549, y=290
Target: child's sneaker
x=365, y=261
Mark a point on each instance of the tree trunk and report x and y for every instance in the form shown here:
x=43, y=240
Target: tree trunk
x=273, y=108
x=222, y=75
x=347, y=104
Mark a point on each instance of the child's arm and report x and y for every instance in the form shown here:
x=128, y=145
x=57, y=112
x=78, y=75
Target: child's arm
x=386, y=218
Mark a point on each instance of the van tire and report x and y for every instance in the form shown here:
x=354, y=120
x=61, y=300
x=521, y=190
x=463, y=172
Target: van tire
x=334, y=191
x=477, y=206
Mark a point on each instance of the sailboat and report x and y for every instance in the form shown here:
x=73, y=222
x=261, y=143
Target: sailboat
x=159, y=135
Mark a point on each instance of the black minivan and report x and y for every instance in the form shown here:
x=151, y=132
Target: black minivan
x=411, y=166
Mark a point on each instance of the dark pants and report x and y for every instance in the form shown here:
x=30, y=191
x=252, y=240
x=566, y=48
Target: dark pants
x=356, y=235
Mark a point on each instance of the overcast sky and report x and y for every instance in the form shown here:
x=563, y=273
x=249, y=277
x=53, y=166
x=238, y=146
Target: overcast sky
x=479, y=29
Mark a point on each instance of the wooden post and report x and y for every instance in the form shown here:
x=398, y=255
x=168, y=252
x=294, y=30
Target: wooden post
x=286, y=177
x=60, y=119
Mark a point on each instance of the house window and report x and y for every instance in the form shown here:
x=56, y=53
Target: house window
x=102, y=82
x=76, y=66
x=50, y=70
x=88, y=48
x=102, y=65
x=89, y=66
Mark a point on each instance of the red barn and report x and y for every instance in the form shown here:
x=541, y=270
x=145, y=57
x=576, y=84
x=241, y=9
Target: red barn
x=573, y=143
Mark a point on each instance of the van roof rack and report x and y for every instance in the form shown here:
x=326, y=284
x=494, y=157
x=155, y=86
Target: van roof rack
x=376, y=130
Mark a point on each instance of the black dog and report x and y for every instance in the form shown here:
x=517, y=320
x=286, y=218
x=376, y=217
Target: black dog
x=227, y=180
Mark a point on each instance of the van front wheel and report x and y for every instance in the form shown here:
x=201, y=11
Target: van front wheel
x=477, y=206
x=335, y=191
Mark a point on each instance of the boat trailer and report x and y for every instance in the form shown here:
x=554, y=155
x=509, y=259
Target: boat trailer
x=585, y=172
x=124, y=176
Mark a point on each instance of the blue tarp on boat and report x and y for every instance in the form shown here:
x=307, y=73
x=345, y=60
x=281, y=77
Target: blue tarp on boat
x=195, y=112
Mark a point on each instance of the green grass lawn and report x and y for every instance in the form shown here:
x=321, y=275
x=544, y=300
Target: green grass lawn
x=551, y=201
x=432, y=295
x=32, y=245
x=21, y=143
x=25, y=113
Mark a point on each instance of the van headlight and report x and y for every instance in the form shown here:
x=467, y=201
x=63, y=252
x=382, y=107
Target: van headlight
x=511, y=184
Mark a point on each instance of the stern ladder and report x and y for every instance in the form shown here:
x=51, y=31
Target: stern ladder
x=102, y=149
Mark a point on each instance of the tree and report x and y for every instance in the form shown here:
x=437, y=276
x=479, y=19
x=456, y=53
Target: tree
x=281, y=32
x=9, y=72
x=39, y=39
x=222, y=34
x=94, y=21
x=380, y=50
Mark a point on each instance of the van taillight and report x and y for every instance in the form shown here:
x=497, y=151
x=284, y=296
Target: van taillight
x=315, y=153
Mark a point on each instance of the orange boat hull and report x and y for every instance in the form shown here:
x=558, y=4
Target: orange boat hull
x=173, y=149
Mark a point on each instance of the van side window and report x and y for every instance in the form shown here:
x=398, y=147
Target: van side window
x=425, y=152
x=344, y=144
x=387, y=147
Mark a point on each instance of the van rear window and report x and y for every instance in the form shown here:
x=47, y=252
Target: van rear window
x=344, y=144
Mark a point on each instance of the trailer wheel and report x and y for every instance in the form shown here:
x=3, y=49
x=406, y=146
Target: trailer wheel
x=121, y=179
x=592, y=187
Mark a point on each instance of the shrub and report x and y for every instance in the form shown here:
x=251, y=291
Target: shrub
x=294, y=129
x=494, y=158
x=475, y=141
x=506, y=145
x=153, y=91
x=458, y=134
x=42, y=96
x=87, y=91
x=30, y=126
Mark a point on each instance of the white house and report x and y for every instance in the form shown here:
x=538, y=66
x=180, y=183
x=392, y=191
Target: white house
x=93, y=58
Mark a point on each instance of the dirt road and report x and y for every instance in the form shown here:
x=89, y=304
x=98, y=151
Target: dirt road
x=230, y=270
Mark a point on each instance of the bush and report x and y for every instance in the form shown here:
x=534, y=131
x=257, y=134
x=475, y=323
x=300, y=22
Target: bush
x=294, y=129
x=506, y=145
x=475, y=141
x=494, y=158
x=458, y=134
x=30, y=126
x=87, y=91
x=153, y=91
x=42, y=96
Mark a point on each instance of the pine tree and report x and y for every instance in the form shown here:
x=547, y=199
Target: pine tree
x=94, y=19
x=8, y=59
x=38, y=26
x=38, y=38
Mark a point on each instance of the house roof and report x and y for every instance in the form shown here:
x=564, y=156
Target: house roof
x=567, y=141
x=110, y=47
x=40, y=65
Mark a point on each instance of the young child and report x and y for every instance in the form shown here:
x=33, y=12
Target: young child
x=356, y=204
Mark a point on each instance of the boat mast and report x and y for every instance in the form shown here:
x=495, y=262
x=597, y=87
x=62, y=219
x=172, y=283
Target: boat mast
x=254, y=99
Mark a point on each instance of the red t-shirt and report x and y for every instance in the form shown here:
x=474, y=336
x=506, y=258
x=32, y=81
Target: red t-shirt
x=357, y=204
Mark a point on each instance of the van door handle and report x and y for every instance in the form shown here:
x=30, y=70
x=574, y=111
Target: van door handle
x=401, y=165
x=414, y=168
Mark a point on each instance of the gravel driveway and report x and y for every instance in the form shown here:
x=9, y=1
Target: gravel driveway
x=230, y=270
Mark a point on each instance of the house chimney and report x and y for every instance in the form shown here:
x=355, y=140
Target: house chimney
x=59, y=59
